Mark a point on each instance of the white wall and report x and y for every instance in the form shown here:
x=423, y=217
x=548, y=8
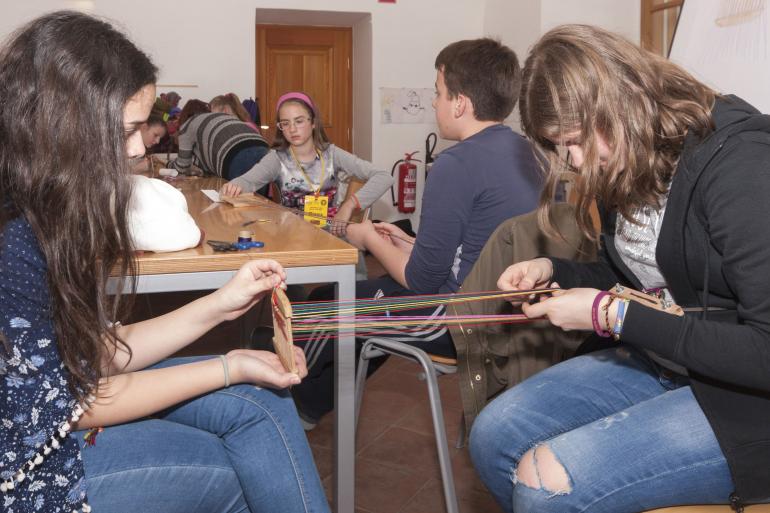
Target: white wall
x=201, y=42
x=732, y=58
x=519, y=24
x=621, y=16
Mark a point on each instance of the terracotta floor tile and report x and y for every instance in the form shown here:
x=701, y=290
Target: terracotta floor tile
x=324, y=460
x=407, y=383
x=430, y=499
x=368, y=431
x=323, y=434
x=403, y=449
x=386, y=406
x=421, y=421
x=384, y=489
x=466, y=479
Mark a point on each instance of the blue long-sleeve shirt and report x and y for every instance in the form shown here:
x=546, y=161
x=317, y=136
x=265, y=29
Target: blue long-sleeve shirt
x=472, y=187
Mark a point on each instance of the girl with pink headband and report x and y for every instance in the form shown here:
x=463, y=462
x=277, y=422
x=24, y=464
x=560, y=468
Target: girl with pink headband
x=311, y=172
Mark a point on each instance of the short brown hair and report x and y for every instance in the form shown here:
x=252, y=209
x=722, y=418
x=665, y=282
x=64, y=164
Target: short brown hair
x=484, y=70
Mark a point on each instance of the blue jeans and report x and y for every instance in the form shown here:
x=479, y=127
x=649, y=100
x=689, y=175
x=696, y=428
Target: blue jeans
x=630, y=436
x=236, y=449
x=242, y=158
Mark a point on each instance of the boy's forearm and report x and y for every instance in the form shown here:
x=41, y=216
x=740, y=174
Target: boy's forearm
x=392, y=258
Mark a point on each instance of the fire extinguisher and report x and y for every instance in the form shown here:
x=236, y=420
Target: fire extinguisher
x=407, y=183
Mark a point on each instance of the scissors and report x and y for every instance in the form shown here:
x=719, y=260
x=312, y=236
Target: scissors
x=220, y=245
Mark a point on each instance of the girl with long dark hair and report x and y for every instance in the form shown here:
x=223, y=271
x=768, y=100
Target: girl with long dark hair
x=91, y=412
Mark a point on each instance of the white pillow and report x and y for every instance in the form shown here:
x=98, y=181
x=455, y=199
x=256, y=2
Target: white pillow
x=158, y=219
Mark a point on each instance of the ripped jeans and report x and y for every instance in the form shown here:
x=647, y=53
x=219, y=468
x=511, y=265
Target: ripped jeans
x=626, y=435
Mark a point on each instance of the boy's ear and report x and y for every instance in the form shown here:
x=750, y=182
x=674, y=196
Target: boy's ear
x=462, y=104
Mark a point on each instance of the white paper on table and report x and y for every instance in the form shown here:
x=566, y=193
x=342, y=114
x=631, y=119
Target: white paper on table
x=212, y=195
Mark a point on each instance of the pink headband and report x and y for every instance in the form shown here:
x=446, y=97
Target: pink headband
x=294, y=96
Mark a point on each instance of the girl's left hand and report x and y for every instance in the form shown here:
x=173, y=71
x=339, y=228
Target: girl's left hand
x=252, y=281
x=263, y=368
x=567, y=309
x=357, y=234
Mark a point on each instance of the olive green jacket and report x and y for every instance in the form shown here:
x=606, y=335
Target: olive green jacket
x=494, y=357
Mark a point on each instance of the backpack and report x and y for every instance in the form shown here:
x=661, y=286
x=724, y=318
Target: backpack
x=252, y=107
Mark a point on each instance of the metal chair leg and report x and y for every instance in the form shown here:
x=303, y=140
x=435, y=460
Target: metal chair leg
x=378, y=347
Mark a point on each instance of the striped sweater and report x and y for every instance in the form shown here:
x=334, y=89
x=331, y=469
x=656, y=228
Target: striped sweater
x=205, y=140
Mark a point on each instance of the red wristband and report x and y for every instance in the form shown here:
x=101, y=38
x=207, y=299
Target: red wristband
x=595, y=314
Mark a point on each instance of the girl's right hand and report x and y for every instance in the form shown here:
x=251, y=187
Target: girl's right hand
x=526, y=275
x=230, y=189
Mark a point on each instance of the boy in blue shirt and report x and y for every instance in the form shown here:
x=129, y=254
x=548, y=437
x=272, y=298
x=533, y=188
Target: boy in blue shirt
x=489, y=176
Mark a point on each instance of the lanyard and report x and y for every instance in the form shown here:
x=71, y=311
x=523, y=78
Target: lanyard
x=316, y=190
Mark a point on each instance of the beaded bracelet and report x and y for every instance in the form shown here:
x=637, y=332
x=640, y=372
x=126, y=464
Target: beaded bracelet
x=595, y=314
x=622, y=306
x=606, y=309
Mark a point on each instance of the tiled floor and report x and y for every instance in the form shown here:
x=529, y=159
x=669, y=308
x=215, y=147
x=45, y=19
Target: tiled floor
x=397, y=467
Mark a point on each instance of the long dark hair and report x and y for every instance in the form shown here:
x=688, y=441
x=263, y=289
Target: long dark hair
x=64, y=81
x=585, y=80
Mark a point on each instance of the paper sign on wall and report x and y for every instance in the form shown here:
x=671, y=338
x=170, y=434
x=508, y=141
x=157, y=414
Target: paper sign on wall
x=405, y=105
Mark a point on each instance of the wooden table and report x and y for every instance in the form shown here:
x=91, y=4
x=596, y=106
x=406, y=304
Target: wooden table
x=310, y=255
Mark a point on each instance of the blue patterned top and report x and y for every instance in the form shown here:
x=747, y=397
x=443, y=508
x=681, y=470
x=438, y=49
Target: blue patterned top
x=36, y=401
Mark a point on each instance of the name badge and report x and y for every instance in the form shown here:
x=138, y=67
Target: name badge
x=316, y=209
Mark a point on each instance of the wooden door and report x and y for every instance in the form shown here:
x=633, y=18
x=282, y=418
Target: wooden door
x=659, y=19
x=314, y=60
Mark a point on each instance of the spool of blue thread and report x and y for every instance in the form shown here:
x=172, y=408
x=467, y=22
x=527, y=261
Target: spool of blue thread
x=248, y=245
x=245, y=242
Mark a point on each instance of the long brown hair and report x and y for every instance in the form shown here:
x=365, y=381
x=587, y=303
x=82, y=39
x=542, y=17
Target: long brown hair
x=192, y=108
x=582, y=81
x=320, y=139
x=64, y=81
x=231, y=100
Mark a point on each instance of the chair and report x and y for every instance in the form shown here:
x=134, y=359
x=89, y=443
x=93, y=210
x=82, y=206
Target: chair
x=514, y=240
x=353, y=185
x=433, y=366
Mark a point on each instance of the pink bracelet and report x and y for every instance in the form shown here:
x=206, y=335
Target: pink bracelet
x=595, y=315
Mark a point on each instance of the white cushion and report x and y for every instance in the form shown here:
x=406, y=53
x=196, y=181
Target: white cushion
x=158, y=219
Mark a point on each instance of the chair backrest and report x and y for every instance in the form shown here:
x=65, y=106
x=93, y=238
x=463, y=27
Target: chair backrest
x=353, y=186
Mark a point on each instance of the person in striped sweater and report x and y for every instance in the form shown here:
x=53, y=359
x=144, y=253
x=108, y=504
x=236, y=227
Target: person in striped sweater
x=219, y=144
